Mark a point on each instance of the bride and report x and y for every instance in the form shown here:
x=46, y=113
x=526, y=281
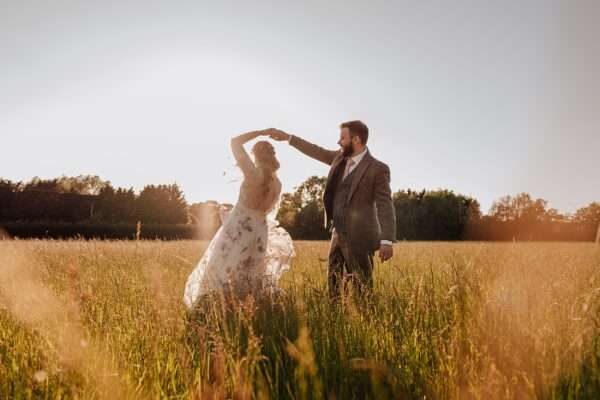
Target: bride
x=250, y=251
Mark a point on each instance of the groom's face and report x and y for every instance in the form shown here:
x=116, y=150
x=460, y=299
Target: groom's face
x=345, y=142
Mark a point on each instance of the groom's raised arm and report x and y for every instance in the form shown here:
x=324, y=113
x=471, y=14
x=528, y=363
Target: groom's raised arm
x=312, y=150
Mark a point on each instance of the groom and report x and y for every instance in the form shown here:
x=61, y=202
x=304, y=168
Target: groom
x=358, y=201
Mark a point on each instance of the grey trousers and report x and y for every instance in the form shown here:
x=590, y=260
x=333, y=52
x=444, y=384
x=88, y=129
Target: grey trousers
x=347, y=266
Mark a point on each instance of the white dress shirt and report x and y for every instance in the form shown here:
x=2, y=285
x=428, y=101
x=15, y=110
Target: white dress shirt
x=357, y=159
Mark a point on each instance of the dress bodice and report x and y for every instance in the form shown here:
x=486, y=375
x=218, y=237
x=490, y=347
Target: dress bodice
x=258, y=195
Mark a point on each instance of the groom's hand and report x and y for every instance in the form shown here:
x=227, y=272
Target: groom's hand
x=386, y=251
x=278, y=135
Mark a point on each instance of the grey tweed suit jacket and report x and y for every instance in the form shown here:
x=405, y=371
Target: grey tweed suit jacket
x=369, y=209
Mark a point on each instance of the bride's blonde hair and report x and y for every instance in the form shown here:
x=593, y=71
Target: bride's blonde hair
x=264, y=156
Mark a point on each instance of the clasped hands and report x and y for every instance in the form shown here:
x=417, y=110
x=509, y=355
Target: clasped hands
x=275, y=134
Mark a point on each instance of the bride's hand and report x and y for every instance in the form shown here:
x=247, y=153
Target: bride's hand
x=278, y=135
x=267, y=132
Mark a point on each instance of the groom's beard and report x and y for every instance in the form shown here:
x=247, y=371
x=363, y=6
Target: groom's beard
x=347, y=151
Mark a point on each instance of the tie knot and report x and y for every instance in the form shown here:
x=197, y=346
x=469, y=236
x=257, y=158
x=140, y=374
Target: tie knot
x=351, y=161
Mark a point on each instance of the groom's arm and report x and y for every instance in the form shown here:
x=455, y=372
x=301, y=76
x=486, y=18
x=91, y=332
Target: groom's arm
x=386, y=214
x=312, y=150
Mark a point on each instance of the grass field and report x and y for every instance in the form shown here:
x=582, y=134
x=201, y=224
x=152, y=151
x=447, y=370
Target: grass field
x=446, y=321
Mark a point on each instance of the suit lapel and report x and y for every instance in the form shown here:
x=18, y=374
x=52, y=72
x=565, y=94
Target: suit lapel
x=358, y=173
x=328, y=187
x=334, y=167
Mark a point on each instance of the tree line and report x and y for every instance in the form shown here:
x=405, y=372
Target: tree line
x=89, y=207
x=444, y=215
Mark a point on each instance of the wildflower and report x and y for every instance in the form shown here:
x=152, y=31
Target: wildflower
x=40, y=376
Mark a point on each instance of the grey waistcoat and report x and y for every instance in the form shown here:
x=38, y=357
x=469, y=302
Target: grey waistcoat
x=342, y=190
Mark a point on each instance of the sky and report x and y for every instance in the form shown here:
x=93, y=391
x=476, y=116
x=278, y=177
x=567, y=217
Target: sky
x=483, y=98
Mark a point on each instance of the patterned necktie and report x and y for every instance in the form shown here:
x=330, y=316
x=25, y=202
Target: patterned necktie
x=349, y=165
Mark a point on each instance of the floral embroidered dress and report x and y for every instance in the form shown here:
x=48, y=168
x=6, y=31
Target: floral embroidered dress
x=250, y=251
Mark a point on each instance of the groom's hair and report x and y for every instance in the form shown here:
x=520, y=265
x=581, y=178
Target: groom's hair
x=357, y=128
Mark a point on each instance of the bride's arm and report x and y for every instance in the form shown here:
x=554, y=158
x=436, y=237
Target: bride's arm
x=240, y=154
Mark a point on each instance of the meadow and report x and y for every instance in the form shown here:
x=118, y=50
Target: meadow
x=461, y=320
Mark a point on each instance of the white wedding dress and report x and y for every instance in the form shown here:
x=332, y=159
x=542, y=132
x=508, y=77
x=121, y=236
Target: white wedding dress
x=250, y=251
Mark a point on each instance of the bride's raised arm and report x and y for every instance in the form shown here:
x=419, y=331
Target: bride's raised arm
x=240, y=154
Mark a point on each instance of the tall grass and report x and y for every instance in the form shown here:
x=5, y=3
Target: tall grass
x=92, y=319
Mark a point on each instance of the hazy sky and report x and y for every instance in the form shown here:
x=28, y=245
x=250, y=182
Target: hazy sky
x=485, y=98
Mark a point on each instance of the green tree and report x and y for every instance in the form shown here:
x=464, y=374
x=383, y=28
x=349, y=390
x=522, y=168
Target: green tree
x=521, y=207
x=82, y=184
x=522, y=217
x=162, y=204
x=434, y=215
x=301, y=213
x=588, y=215
x=115, y=205
x=7, y=195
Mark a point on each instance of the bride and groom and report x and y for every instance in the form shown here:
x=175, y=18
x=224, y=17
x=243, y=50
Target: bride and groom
x=250, y=251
